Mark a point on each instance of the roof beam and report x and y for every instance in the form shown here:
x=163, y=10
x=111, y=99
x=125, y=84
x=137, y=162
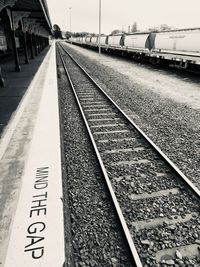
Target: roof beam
x=27, y=10
x=45, y=13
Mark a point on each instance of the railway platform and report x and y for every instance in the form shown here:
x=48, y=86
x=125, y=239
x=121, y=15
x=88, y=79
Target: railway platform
x=123, y=170
x=31, y=212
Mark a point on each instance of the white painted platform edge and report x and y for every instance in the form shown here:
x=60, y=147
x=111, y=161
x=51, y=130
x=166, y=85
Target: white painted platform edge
x=36, y=234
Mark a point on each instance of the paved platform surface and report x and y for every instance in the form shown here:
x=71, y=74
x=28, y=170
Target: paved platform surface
x=16, y=85
x=31, y=211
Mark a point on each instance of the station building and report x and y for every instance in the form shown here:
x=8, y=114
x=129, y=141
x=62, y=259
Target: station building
x=25, y=28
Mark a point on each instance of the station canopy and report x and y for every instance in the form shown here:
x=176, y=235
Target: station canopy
x=38, y=11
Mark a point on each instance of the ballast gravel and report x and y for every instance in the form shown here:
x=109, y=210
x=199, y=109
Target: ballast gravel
x=94, y=238
x=148, y=241
x=174, y=126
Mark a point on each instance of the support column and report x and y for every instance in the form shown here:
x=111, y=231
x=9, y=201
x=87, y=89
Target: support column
x=38, y=43
x=2, y=83
x=27, y=29
x=31, y=45
x=15, y=52
x=45, y=42
x=25, y=48
x=42, y=42
x=35, y=45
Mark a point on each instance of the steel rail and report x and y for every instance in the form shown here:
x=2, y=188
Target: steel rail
x=182, y=176
x=137, y=261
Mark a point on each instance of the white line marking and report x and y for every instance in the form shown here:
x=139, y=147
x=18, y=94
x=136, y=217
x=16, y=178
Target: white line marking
x=117, y=140
x=97, y=109
x=130, y=162
x=103, y=114
x=124, y=150
x=152, y=223
x=105, y=119
x=167, y=192
x=107, y=125
x=113, y=132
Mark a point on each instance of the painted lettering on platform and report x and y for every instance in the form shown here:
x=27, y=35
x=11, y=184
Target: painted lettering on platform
x=38, y=210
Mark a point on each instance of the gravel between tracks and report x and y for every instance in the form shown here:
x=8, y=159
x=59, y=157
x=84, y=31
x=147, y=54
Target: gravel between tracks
x=173, y=126
x=96, y=237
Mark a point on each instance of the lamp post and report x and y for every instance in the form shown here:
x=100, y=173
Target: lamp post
x=99, y=27
x=70, y=23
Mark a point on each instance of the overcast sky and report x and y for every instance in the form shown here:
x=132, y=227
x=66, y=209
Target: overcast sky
x=118, y=14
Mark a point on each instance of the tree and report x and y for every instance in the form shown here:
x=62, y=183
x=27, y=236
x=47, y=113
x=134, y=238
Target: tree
x=134, y=27
x=56, y=27
x=68, y=34
x=165, y=27
x=115, y=32
x=153, y=29
x=162, y=27
x=57, y=32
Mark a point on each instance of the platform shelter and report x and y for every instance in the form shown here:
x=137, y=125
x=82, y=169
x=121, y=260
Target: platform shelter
x=25, y=28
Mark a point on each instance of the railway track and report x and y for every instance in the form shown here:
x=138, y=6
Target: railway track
x=157, y=205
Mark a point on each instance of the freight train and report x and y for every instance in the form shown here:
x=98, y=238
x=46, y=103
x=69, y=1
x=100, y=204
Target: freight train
x=180, y=48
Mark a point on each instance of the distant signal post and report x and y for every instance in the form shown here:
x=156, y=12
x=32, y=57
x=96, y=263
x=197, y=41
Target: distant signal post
x=70, y=23
x=99, y=27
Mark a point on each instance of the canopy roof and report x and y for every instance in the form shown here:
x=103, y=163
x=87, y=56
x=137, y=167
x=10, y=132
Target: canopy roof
x=38, y=10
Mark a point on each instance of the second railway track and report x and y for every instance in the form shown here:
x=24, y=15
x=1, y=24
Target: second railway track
x=157, y=205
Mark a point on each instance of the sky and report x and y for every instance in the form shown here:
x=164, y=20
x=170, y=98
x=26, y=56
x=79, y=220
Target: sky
x=117, y=14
